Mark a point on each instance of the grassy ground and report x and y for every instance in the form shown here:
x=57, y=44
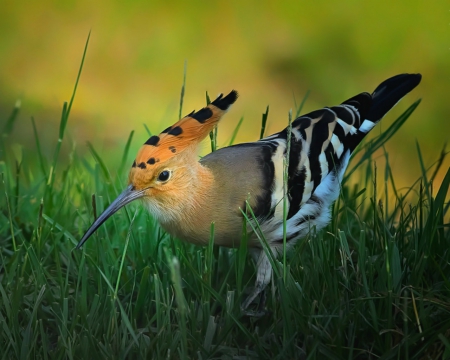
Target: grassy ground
x=374, y=284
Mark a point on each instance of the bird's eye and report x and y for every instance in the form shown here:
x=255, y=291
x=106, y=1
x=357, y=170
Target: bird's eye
x=164, y=176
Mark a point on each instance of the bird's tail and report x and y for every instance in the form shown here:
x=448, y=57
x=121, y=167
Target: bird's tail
x=373, y=107
x=389, y=93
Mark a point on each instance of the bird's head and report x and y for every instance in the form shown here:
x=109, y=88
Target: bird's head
x=161, y=171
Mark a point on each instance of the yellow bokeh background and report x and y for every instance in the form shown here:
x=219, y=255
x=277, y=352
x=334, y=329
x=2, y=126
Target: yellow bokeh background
x=272, y=52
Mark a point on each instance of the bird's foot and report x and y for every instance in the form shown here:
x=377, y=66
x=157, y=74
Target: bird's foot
x=259, y=310
x=254, y=313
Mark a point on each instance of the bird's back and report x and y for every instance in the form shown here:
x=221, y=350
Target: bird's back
x=321, y=144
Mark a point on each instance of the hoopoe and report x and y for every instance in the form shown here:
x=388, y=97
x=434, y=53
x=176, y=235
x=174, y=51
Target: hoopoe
x=186, y=195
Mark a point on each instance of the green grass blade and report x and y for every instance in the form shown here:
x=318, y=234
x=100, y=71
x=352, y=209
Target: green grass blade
x=264, y=122
x=300, y=108
x=127, y=240
x=125, y=318
x=181, y=302
x=8, y=205
x=65, y=117
x=235, y=131
x=9, y=126
x=286, y=191
x=61, y=228
x=424, y=172
x=39, y=151
x=183, y=88
x=98, y=159
x=125, y=153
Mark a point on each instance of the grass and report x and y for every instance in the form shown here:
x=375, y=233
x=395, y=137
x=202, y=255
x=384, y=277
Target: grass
x=374, y=284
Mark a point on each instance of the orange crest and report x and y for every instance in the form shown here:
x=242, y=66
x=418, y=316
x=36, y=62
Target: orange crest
x=190, y=130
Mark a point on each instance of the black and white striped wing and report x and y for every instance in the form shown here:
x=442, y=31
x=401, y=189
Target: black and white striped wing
x=320, y=147
x=321, y=144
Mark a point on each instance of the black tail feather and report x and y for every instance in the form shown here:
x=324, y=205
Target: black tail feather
x=389, y=93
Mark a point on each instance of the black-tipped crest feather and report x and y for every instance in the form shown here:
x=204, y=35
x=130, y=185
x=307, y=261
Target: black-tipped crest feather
x=223, y=103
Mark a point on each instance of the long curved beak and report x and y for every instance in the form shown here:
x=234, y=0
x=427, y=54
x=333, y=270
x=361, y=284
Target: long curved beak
x=127, y=196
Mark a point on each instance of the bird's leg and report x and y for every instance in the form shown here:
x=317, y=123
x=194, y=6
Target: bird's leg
x=262, y=301
x=263, y=275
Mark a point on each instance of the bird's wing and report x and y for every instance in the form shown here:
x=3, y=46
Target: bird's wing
x=321, y=143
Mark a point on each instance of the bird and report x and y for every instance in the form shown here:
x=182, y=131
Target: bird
x=287, y=181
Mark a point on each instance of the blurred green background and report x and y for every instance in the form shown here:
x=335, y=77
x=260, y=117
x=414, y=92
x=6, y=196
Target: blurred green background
x=270, y=51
